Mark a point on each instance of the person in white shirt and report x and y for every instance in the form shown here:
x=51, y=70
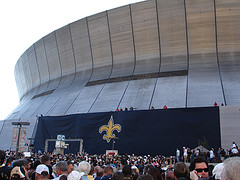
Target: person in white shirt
x=234, y=145
x=177, y=155
x=185, y=154
x=234, y=150
x=197, y=152
x=211, y=152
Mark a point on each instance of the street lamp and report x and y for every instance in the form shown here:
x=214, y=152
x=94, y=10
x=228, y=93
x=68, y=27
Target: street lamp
x=19, y=124
x=114, y=142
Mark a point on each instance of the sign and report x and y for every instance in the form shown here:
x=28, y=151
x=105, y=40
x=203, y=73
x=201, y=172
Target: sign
x=154, y=132
x=112, y=152
x=22, y=139
x=27, y=154
x=109, y=130
x=61, y=137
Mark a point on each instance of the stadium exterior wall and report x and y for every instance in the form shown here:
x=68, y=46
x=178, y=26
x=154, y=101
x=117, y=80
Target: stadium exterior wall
x=179, y=53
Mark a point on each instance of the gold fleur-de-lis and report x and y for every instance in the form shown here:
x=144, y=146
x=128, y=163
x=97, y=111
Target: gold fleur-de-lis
x=109, y=130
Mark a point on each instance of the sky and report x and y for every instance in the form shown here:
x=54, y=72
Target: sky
x=23, y=22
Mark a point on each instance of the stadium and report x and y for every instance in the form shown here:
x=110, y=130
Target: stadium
x=182, y=54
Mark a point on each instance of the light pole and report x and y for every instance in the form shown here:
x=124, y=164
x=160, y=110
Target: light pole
x=114, y=142
x=19, y=124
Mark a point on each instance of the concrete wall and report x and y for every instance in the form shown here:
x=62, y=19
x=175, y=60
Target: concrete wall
x=6, y=132
x=230, y=126
x=153, y=36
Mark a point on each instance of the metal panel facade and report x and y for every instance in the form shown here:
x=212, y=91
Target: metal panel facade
x=131, y=46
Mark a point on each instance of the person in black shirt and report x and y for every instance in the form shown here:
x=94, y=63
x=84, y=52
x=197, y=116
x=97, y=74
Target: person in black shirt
x=4, y=169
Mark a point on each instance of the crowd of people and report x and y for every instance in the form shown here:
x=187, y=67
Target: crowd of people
x=132, y=108
x=152, y=107
x=210, y=155
x=120, y=167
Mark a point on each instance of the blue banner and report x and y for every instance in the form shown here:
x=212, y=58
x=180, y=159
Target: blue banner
x=142, y=132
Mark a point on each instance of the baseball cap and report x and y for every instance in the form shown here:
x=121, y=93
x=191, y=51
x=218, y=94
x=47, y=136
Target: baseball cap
x=75, y=175
x=41, y=168
x=217, y=170
x=17, y=171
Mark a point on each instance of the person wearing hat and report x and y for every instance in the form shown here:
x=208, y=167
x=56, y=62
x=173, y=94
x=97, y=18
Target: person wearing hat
x=75, y=175
x=17, y=173
x=217, y=171
x=42, y=172
x=45, y=159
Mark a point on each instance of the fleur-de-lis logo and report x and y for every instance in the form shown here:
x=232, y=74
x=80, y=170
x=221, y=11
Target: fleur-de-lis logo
x=109, y=130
